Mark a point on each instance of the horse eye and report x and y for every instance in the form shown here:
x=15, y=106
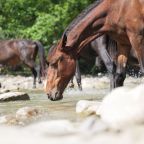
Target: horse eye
x=61, y=58
x=54, y=65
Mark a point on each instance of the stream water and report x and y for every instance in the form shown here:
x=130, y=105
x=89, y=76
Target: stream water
x=93, y=89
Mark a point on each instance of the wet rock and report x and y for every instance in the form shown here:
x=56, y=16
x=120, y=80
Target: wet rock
x=13, y=96
x=123, y=107
x=26, y=113
x=87, y=107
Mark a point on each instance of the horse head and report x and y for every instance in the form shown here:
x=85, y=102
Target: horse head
x=62, y=65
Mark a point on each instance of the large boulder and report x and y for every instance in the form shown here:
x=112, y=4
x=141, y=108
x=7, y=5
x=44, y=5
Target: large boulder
x=123, y=107
x=13, y=96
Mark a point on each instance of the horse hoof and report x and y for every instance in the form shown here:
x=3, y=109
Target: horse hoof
x=39, y=81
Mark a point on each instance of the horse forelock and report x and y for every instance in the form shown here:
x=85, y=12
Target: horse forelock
x=81, y=16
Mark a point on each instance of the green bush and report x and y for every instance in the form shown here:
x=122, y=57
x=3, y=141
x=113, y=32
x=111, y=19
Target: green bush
x=43, y=20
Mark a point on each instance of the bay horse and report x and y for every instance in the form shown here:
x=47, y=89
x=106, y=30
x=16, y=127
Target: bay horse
x=16, y=52
x=122, y=20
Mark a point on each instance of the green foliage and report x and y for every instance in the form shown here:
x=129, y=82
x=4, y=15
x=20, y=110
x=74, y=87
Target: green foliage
x=43, y=20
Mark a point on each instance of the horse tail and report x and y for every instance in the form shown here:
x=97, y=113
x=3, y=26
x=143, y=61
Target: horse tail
x=42, y=59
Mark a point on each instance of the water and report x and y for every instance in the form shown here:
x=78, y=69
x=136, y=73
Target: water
x=93, y=89
x=64, y=109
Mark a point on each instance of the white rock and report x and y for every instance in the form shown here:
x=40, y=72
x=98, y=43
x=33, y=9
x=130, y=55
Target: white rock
x=87, y=107
x=27, y=113
x=123, y=107
x=13, y=96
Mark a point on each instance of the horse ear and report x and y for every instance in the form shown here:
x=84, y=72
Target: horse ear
x=64, y=41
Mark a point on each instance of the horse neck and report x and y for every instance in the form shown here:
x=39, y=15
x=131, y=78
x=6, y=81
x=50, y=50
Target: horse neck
x=89, y=27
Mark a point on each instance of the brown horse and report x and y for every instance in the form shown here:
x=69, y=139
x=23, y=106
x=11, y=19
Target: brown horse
x=15, y=52
x=77, y=72
x=122, y=20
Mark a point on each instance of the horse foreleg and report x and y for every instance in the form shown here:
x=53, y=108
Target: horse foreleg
x=71, y=83
x=104, y=55
x=31, y=65
x=38, y=74
x=120, y=75
x=137, y=42
x=78, y=75
x=34, y=75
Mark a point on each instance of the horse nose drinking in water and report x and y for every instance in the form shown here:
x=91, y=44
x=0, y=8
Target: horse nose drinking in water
x=120, y=19
x=15, y=52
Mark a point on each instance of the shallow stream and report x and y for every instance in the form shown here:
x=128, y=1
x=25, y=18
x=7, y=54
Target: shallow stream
x=93, y=89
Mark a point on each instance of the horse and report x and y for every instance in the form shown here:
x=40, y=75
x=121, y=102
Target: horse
x=110, y=46
x=16, y=52
x=77, y=72
x=77, y=76
x=121, y=20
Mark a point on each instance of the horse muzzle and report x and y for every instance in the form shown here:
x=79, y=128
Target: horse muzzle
x=55, y=96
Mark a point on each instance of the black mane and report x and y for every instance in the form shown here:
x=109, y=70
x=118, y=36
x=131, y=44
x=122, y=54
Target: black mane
x=81, y=16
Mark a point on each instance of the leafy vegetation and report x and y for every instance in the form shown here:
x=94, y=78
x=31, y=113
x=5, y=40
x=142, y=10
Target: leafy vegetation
x=43, y=20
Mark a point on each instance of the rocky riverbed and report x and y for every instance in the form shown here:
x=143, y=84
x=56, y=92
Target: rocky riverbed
x=93, y=115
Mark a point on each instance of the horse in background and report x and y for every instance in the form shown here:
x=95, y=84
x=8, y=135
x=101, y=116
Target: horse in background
x=121, y=20
x=105, y=44
x=98, y=50
x=16, y=52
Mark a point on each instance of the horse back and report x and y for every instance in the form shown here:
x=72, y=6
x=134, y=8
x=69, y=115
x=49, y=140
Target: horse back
x=13, y=52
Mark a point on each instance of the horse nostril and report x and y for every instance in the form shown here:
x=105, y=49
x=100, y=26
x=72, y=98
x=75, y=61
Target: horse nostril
x=56, y=94
x=50, y=97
